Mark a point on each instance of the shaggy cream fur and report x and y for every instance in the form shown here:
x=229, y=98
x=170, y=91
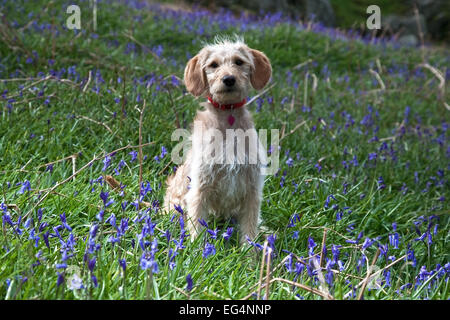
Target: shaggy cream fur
x=218, y=177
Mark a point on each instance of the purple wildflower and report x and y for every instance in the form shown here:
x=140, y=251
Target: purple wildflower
x=227, y=234
x=104, y=196
x=148, y=258
x=189, y=282
x=133, y=155
x=123, y=264
x=290, y=162
x=393, y=240
x=64, y=222
x=26, y=186
x=253, y=244
x=178, y=208
x=209, y=250
x=327, y=201
x=213, y=233
x=60, y=279
x=311, y=245
x=106, y=163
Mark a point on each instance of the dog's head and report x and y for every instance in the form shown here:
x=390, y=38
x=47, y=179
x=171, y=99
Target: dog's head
x=226, y=70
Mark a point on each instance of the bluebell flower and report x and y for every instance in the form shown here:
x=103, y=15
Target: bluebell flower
x=122, y=227
x=253, y=244
x=94, y=280
x=26, y=186
x=327, y=201
x=145, y=188
x=311, y=269
x=49, y=168
x=179, y=209
x=293, y=218
x=318, y=166
x=189, y=282
x=45, y=236
x=372, y=156
x=35, y=237
x=6, y=218
x=361, y=261
x=387, y=277
x=106, y=163
x=381, y=184
x=422, y=276
x=367, y=243
x=123, y=264
x=133, y=155
x=288, y=263
x=394, y=240
x=299, y=268
x=121, y=164
x=383, y=249
x=311, y=245
x=227, y=234
x=93, y=231
x=421, y=237
x=148, y=258
x=56, y=232
x=213, y=233
x=181, y=222
x=355, y=161
x=60, y=279
x=163, y=152
x=410, y=256
x=112, y=220
x=100, y=215
x=209, y=250
x=91, y=264
x=104, y=196
x=406, y=286
x=64, y=221
x=271, y=242
x=329, y=277
x=290, y=162
x=394, y=226
x=174, y=81
x=39, y=215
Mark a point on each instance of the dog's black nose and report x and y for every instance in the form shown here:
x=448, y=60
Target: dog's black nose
x=229, y=81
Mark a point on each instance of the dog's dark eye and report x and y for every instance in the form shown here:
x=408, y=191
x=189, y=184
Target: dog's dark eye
x=239, y=62
x=214, y=65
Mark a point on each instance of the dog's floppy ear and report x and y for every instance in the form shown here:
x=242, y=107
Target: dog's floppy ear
x=263, y=70
x=194, y=77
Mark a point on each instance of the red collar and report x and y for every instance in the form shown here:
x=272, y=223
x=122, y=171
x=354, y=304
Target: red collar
x=227, y=106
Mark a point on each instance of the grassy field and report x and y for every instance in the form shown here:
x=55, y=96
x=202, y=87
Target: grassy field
x=362, y=187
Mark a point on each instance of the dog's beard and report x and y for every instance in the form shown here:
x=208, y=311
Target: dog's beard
x=225, y=95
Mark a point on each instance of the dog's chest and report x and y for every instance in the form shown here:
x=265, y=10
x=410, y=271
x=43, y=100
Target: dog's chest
x=226, y=160
x=226, y=170
x=227, y=185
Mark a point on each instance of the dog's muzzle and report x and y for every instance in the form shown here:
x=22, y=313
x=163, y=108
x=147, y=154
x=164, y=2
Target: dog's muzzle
x=229, y=81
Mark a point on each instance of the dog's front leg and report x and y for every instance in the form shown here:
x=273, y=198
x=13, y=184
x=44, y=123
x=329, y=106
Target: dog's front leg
x=249, y=216
x=195, y=211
